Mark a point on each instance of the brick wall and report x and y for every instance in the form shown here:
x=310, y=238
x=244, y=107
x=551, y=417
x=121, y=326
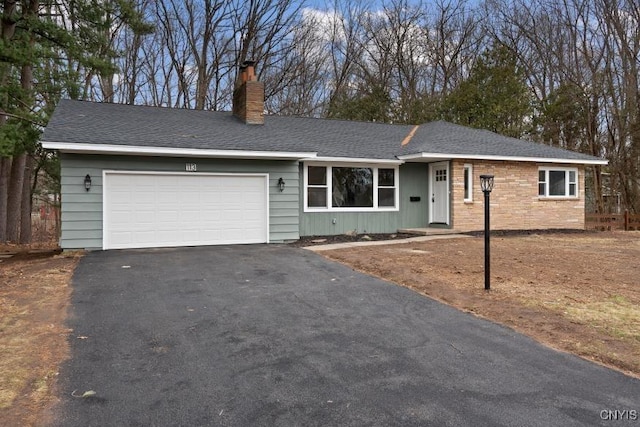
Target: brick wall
x=248, y=102
x=515, y=204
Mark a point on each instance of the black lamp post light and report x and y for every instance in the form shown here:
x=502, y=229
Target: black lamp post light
x=486, y=184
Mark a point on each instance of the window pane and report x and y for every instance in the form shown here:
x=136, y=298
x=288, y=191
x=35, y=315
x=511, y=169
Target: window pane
x=541, y=189
x=541, y=176
x=317, y=175
x=466, y=183
x=352, y=187
x=317, y=197
x=557, y=185
x=386, y=177
x=386, y=197
x=572, y=176
x=572, y=189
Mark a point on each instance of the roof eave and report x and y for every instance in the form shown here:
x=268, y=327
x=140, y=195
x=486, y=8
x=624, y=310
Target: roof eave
x=132, y=150
x=426, y=157
x=321, y=159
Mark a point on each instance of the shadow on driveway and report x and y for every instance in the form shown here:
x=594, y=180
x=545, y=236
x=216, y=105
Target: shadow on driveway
x=274, y=335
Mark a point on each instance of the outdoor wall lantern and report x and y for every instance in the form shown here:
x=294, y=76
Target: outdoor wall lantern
x=280, y=184
x=486, y=184
x=87, y=182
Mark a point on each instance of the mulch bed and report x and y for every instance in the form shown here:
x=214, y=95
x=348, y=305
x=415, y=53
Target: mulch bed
x=347, y=238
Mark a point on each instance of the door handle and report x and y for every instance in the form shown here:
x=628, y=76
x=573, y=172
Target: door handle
x=433, y=198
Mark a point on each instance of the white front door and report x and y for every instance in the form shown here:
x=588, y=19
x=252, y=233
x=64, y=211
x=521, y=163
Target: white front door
x=440, y=193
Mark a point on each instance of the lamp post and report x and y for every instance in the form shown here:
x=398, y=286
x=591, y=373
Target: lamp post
x=486, y=183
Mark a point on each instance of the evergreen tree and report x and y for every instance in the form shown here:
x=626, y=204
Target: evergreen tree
x=563, y=118
x=44, y=46
x=494, y=96
x=372, y=105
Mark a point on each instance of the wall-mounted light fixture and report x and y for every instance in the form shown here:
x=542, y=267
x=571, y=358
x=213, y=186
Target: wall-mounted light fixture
x=281, y=184
x=87, y=182
x=486, y=184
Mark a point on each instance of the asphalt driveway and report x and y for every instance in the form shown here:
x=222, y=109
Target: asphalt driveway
x=274, y=335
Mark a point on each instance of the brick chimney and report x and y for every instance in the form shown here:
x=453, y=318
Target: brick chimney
x=248, y=96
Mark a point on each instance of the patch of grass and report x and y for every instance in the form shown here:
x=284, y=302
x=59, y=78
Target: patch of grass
x=617, y=315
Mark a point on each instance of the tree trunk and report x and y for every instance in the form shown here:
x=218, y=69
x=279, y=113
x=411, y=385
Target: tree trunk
x=106, y=85
x=23, y=175
x=7, y=30
x=5, y=170
x=133, y=79
x=14, y=198
x=25, y=211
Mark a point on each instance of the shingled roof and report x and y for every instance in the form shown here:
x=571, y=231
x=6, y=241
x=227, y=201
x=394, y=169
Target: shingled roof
x=459, y=141
x=101, y=124
x=117, y=124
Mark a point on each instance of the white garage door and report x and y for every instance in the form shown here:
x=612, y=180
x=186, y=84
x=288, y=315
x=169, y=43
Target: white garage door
x=143, y=210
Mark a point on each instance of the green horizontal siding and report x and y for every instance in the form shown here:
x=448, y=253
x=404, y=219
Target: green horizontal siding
x=84, y=197
x=83, y=244
x=89, y=206
x=82, y=211
x=80, y=216
x=79, y=225
x=92, y=234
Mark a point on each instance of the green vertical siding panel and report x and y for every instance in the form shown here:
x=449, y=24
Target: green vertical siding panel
x=321, y=223
x=82, y=211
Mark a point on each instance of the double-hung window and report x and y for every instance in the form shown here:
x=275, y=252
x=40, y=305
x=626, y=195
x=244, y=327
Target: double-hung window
x=558, y=182
x=317, y=187
x=359, y=188
x=386, y=188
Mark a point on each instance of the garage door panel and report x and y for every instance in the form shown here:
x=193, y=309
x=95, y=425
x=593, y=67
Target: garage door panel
x=251, y=216
x=149, y=210
x=124, y=237
x=143, y=216
x=166, y=216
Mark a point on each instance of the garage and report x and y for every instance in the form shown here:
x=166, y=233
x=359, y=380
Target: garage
x=154, y=209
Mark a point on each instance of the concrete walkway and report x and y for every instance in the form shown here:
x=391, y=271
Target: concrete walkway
x=332, y=246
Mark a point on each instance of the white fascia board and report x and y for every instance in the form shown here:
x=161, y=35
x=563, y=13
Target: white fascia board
x=353, y=160
x=133, y=150
x=418, y=156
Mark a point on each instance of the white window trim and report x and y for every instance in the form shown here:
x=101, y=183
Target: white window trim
x=546, y=194
x=329, y=184
x=470, y=183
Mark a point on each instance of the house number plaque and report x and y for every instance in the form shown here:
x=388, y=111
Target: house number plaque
x=191, y=167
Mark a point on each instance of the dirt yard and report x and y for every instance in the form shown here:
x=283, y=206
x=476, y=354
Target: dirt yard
x=574, y=292
x=34, y=297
